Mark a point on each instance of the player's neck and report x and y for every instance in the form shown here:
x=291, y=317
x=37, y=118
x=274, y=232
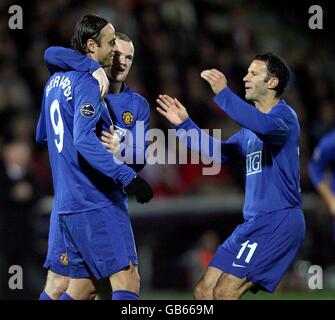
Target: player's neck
x=115, y=87
x=266, y=104
x=92, y=56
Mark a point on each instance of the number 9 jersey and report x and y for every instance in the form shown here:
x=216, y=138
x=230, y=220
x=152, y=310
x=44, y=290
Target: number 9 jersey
x=71, y=110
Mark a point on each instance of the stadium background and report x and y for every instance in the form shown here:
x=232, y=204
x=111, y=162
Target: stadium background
x=191, y=213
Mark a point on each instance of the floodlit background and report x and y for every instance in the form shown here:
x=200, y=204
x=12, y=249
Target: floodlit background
x=191, y=214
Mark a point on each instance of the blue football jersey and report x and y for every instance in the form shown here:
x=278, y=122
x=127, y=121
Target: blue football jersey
x=268, y=145
x=66, y=59
x=71, y=111
x=130, y=113
x=323, y=159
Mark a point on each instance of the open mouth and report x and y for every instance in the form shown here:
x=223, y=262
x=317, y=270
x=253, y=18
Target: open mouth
x=119, y=69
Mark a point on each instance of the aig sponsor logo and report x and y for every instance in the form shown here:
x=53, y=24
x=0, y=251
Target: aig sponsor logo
x=254, y=163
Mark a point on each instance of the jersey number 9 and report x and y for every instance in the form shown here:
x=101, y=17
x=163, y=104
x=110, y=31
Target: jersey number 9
x=57, y=124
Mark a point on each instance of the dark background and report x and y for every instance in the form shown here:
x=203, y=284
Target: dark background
x=174, y=41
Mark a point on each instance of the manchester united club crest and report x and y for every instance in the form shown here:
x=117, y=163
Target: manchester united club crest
x=127, y=117
x=63, y=258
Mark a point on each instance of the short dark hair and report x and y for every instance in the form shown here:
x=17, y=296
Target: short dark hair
x=89, y=27
x=122, y=36
x=276, y=67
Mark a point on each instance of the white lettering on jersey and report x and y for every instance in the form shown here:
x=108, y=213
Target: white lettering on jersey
x=254, y=163
x=64, y=83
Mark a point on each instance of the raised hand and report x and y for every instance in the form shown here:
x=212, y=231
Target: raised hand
x=215, y=78
x=110, y=141
x=101, y=76
x=171, y=109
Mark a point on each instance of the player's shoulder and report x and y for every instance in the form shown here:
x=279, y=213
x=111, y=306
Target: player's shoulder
x=83, y=82
x=63, y=79
x=135, y=95
x=284, y=110
x=284, y=107
x=80, y=80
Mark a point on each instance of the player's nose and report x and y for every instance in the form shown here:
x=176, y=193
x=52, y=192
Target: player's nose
x=122, y=60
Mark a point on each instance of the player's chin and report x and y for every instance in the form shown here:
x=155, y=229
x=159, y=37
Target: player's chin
x=108, y=62
x=248, y=96
x=120, y=77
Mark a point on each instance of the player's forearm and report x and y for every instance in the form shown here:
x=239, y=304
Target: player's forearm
x=248, y=116
x=137, y=164
x=136, y=167
x=132, y=156
x=89, y=146
x=65, y=59
x=138, y=161
x=199, y=141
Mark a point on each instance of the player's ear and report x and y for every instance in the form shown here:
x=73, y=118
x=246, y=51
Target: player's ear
x=91, y=45
x=273, y=82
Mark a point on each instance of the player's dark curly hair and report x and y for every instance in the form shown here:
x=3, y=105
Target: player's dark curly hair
x=278, y=68
x=88, y=27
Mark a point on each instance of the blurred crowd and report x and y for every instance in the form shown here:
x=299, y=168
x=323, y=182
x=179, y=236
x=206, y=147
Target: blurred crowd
x=174, y=41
